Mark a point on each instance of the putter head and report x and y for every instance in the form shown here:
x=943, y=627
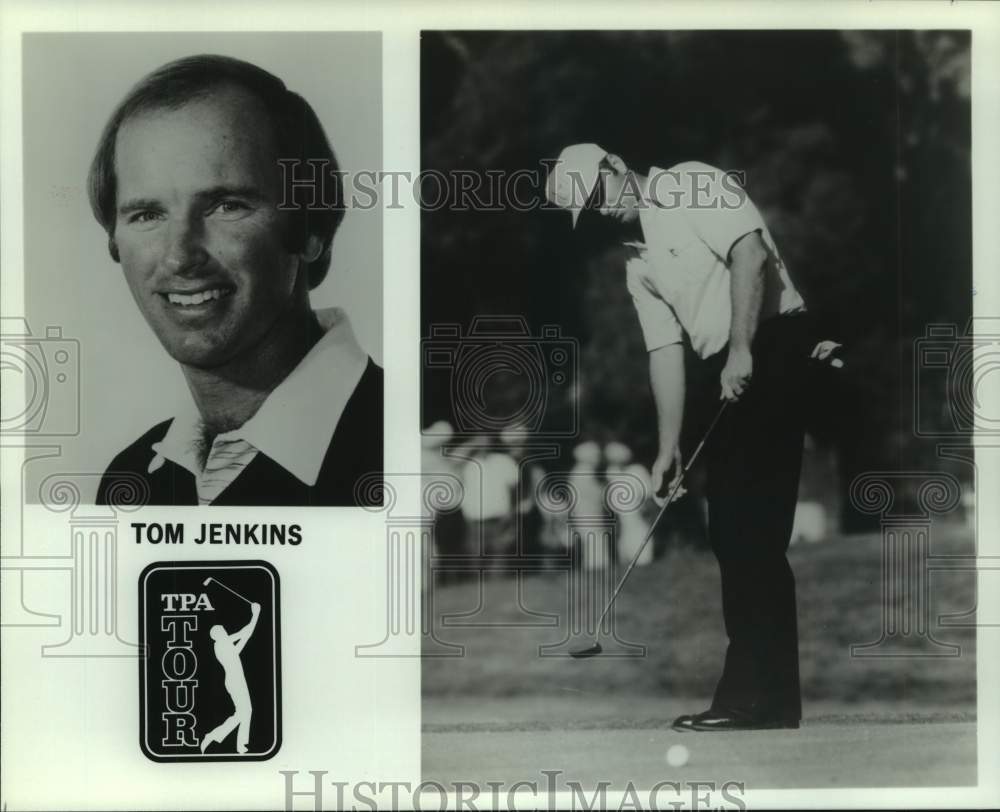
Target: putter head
x=589, y=651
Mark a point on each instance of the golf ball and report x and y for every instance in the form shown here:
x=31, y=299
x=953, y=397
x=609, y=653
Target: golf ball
x=677, y=755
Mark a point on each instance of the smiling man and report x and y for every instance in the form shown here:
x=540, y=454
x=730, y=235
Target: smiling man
x=286, y=408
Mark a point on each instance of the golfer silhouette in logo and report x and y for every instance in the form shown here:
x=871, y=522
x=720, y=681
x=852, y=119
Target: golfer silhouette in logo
x=227, y=651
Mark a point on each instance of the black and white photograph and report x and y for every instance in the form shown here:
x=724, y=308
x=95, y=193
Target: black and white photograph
x=207, y=276
x=701, y=372
x=536, y=404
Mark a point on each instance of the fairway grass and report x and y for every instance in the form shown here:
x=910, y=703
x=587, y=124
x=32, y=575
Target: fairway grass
x=672, y=607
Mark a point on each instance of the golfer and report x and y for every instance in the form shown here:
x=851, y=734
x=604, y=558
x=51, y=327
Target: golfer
x=705, y=272
x=228, y=648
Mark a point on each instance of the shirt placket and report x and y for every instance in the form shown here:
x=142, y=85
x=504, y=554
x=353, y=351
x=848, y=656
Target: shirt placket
x=226, y=460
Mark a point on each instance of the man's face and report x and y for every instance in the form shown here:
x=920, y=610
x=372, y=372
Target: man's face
x=619, y=195
x=200, y=238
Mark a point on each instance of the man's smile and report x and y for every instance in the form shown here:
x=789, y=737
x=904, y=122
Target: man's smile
x=189, y=299
x=193, y=305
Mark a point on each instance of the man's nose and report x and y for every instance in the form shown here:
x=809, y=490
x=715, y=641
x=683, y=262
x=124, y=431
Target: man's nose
x=185, y=249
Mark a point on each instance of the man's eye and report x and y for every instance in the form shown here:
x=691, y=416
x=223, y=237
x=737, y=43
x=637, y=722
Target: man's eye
x=143, y=217
x=232, y=207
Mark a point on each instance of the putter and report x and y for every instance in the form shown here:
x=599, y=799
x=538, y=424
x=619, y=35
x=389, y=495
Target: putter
x=233, y=591
x=595, y=649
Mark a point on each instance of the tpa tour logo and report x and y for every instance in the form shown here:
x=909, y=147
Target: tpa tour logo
x=210, y=683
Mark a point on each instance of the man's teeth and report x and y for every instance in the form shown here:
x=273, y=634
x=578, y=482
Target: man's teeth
x=186, y=299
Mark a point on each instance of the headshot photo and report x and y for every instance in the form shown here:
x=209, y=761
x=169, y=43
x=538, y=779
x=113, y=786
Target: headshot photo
x=240, y=313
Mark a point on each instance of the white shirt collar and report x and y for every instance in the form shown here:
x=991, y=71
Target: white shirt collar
x=295, y=423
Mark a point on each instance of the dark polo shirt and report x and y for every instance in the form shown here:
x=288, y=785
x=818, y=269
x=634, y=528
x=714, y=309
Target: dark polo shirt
x=354, y=452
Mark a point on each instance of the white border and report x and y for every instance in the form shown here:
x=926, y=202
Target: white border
x=400, y=23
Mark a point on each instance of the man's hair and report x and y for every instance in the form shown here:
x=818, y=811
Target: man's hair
x=298, y=135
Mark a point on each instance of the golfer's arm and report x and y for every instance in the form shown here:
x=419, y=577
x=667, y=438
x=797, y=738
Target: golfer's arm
x=666, y=379
x=746, y=272
x=243, y=635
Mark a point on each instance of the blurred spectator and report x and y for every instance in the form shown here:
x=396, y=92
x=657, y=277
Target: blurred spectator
x=489, y=478
x=969, y=505
x=527, y=516
x=633, y=525
x=437, y=466
x=810, y=522
x=594, y=552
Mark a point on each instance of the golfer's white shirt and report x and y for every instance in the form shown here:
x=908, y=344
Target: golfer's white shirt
x=293, y=426
x=680, y=280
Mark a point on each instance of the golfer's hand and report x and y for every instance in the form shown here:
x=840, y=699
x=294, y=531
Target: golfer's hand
x=671, y=463
x=255, y=608
x=736, y=374
x=825, y=350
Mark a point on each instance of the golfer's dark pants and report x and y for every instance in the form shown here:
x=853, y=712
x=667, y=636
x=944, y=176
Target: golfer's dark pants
x=754, y=459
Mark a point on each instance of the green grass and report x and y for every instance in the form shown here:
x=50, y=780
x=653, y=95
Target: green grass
x=672, y=607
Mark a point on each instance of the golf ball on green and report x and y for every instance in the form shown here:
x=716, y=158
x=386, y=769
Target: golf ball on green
x=677, y=755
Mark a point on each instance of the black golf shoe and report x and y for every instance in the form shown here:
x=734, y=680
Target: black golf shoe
x=721, y=720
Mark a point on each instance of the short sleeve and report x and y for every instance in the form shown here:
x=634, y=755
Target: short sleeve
x=714, y=203
x=656, y=318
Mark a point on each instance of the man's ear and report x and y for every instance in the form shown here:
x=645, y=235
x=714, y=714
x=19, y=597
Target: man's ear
x=313, y=248
x=616, y=163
